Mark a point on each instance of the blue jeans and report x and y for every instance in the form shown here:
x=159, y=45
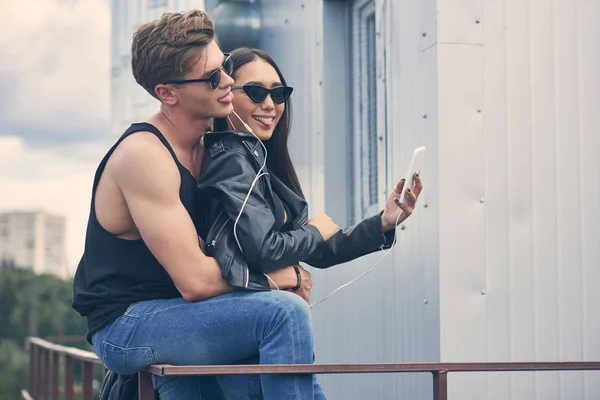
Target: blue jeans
x=236, y=328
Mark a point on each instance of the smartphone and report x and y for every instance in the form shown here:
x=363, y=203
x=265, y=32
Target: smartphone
x=416, y=163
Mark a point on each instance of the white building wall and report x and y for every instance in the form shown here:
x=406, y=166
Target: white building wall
x=532, y=244
x=500, y=260
x=55, y=252
x=34, y=240
x=17, y=239
x=39, y=235
x=392, y=314
x=129, y=101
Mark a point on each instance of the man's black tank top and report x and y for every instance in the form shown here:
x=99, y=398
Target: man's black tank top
x=115, y=273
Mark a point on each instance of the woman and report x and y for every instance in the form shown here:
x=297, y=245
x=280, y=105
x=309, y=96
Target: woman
x=256, y=217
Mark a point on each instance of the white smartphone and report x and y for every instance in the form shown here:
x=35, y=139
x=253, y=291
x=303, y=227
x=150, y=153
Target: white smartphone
x=416, y=163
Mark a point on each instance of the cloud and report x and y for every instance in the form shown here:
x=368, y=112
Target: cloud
x=21, y=162
x=55, y=74
x=54, y=107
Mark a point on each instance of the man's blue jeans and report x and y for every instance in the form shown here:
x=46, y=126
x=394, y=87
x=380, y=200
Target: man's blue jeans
x=241, y=327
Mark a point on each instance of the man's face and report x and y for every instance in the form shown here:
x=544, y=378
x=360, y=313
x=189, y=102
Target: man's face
x=199, y=99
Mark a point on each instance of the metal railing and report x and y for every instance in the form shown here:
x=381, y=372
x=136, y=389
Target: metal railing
x=45, y=367
x=46, y=354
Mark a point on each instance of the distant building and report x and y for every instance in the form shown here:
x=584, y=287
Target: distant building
x=34, y=240
x=129, y=101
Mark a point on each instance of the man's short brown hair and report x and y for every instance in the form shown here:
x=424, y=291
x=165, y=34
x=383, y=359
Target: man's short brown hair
x=168, y=48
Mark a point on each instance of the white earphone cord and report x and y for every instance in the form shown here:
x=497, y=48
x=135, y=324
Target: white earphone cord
x=256, y=178
x=367, y=271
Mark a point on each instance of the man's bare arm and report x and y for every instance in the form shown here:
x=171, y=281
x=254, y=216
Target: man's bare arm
x=149, y=180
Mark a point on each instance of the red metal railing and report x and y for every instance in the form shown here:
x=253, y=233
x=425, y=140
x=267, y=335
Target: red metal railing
x=438, y=370
x=44, y=357
x=44, y=371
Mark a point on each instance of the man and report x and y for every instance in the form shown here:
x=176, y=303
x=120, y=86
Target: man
x=143, y=269
x=148, y=292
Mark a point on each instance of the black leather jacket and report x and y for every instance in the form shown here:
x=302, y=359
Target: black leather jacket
x=119, y=387
x=231, y=162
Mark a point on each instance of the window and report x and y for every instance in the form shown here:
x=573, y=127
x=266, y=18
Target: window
x=368, y=135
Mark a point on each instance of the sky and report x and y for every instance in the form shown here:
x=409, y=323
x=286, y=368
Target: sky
x=54, y=107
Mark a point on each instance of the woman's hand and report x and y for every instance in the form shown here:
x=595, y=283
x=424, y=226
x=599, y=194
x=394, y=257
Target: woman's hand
x=325, y=225
x=393, y=207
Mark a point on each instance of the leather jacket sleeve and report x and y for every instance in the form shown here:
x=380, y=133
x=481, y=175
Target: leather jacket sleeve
x=228, y=175
x=348, y=244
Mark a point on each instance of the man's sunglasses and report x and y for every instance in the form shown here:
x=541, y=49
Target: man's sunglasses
x=259, y=93
x=214, y=79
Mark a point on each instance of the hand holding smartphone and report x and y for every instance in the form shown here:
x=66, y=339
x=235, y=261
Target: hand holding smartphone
x=416, y=163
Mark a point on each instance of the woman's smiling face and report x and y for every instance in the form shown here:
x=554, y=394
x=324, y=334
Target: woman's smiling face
x=261, y=117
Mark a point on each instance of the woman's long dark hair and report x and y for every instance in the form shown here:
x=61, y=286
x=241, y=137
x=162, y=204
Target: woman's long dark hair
x=278, y=161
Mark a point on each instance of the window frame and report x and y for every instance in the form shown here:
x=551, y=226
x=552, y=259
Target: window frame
x=363, y=65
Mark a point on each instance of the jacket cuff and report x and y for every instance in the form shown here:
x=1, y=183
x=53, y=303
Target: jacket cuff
x=387, y=237
x=316, y=233
x=257, y=281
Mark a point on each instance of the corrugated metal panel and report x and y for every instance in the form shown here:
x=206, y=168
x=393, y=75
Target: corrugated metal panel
x=292, y=35
x=496, y=197
x=382, y=317
x=412, y=110
x=588, y=84
x=569, y=192
x=129, y=101
x=541, y=190
x=500, y=261
x=462, y=215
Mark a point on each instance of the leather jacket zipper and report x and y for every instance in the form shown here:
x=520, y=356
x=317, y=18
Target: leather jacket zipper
x=213, y=243
x=301, y=220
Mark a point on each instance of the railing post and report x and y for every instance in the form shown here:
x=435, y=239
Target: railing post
x=55, y=374
x=68, y=377
x=33, y=352
x=87, y=378
x=440, y=385
x=145, y=388
x=45, y=392
x=38, y=372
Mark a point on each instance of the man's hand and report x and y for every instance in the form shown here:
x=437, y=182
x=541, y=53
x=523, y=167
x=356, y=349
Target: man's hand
x=394, y=207
x=285, y=278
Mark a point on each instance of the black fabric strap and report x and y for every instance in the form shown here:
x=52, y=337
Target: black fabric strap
x=299, y=284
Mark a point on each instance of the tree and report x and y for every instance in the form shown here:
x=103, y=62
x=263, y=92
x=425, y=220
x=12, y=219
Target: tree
x=31, y=305
x=13, y=367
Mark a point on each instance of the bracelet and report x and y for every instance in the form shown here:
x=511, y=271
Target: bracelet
x=299, y=284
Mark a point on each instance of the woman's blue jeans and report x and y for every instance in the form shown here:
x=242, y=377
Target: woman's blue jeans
x=272, y=327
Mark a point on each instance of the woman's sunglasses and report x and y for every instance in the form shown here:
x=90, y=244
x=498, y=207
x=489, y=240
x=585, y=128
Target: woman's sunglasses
x=259, y=93
x=214, y=79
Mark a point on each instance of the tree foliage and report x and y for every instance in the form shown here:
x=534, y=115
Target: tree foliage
x=30, y=305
